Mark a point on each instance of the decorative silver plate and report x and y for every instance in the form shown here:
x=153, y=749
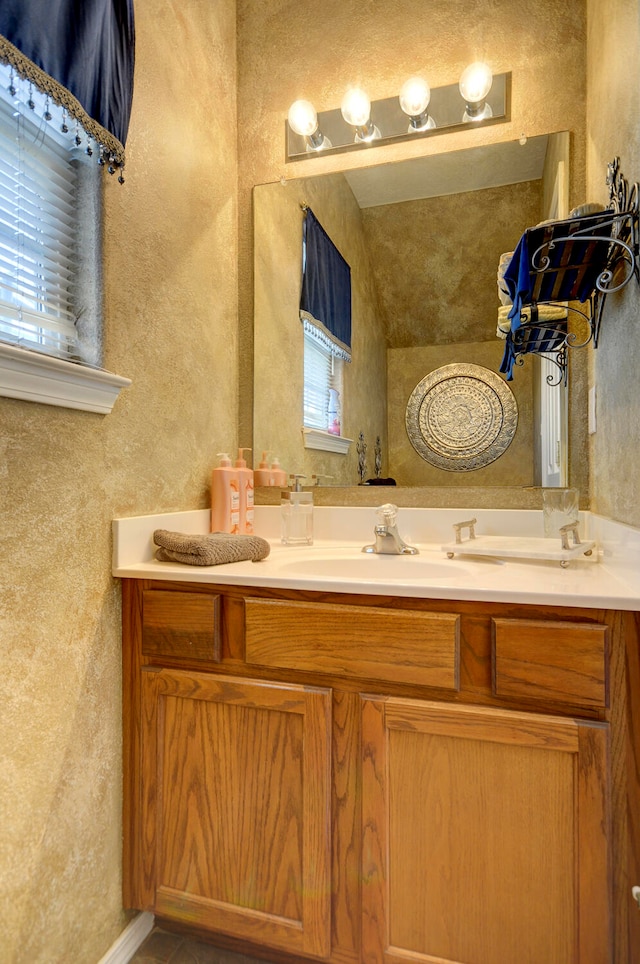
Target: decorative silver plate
x=461, y=417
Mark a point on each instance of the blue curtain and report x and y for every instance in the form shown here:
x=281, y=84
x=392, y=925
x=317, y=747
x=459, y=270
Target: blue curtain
x=86, y=47
x=326, y=285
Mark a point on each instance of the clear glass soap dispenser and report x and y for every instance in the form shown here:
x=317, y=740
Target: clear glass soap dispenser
x=297, y=515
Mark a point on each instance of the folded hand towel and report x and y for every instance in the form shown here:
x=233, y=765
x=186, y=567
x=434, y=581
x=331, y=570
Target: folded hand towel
x=545, y=313
x=213, y=549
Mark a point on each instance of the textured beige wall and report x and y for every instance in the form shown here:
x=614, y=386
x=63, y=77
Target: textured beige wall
x=279, y=334
x=170, y=305
x=287, y=51
x=614, y=129
x=428, y=293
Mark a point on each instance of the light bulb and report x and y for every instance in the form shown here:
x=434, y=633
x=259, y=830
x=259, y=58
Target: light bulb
x=356, y=110
x=475, y=82
x=356, y=107
x=303, y=120
x=415, y=95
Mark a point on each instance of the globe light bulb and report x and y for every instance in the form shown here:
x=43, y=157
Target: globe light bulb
x=475, y=83
x=356, y=107
x=303, y=118
x=356, y=110
x=415, y=95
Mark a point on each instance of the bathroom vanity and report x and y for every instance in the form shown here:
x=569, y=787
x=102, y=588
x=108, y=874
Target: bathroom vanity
x=382, y=776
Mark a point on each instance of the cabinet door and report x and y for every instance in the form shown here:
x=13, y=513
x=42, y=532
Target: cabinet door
x=236, y=807
x=485, y=836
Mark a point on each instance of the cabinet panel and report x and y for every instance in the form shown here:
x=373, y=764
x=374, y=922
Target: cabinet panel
x=236, y=796
x=484, y=836
x=181, y=624
x=357, y=641
x=549, y=660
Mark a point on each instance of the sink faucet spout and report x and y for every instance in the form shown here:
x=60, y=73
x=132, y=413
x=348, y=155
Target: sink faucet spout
x=387, y=538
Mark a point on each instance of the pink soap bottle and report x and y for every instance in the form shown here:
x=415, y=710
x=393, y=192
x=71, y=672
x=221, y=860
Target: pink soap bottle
x=225, y=497
x=245, y=483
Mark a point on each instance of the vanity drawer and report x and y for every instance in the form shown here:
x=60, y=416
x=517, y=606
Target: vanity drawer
x=545, y=660
x=181, y=624
x=355, y=641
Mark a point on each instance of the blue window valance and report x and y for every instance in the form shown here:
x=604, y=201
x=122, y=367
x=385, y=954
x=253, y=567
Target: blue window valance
x=81, y=54
x=325, y=301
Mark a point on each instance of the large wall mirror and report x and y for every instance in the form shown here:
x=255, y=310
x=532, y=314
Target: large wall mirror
x=424, y=239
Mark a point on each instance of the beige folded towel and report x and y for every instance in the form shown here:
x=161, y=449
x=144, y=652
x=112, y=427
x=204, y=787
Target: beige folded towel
x=545, y=313
x=214, y=549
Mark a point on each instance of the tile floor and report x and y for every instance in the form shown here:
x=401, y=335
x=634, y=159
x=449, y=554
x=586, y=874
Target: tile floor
x=162, y=947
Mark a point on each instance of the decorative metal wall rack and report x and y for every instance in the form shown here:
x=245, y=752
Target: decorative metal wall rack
x=575, y=264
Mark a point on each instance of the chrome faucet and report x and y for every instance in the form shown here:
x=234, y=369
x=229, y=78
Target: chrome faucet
x=387, y=536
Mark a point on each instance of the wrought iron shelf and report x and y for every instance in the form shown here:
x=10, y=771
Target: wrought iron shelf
x=573, y=264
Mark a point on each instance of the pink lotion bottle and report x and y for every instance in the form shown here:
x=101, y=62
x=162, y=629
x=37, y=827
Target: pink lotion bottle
x=225, y=497
x=245, y=483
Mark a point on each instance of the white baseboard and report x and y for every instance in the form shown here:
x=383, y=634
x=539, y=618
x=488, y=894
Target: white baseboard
x=134, y=934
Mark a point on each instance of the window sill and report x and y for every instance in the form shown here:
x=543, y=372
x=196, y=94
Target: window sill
x=325, y=441
x=52, y=381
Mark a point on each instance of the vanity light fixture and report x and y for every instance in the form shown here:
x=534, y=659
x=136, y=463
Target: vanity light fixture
x=356, y=110
x=475, y=84
x=303, y=120
x=418, y=111
x=415, y=95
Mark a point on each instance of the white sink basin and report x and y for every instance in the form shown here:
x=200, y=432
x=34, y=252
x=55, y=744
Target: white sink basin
x=358, y=566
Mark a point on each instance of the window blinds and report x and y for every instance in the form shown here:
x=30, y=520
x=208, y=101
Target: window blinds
x=38, y=172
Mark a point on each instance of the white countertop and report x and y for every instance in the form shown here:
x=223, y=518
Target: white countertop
x=335, y=563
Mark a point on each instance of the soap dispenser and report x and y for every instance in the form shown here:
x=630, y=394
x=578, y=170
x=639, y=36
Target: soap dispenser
x=245, y=487
x=297, y=515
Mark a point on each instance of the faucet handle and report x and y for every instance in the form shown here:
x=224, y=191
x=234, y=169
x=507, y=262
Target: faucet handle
x=387, y=513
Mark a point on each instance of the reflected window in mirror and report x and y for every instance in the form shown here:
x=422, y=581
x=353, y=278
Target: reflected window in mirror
x=323, y=386
x=325, y=313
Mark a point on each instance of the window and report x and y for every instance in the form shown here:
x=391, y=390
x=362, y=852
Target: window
x=39, y=195
x=325, y=313
x=50, y=259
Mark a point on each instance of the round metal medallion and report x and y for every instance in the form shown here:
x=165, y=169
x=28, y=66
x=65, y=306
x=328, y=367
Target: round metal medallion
x=461, y=417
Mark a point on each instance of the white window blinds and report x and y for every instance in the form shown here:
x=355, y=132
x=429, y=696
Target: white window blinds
x=322, y=372
x=38, y=217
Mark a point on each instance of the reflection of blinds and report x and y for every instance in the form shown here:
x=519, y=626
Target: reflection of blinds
x=319, y=370
x=325, y=299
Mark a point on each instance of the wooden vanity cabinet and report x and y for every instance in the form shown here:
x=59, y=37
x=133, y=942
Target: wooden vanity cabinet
x=372, y=779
